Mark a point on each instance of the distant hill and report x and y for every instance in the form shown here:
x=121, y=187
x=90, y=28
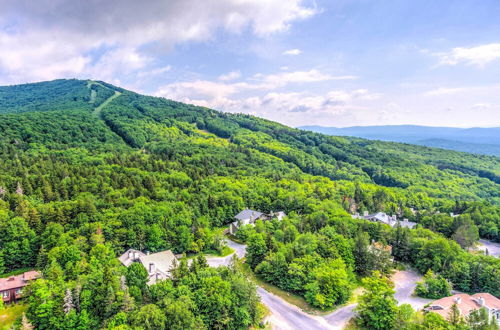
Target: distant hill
x=474, y=140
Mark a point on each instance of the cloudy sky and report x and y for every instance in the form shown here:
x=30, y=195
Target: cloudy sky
x=330, y=63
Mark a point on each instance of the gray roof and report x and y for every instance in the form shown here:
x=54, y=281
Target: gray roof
x=129, y=257
x=247, y=214
x=163, y=261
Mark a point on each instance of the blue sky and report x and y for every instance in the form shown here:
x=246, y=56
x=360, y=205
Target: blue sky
x=330, y=63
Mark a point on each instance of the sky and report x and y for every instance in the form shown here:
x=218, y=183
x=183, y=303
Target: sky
x=331, y=63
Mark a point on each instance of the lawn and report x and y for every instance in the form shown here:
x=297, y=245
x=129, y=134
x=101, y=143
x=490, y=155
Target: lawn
x=10, y=314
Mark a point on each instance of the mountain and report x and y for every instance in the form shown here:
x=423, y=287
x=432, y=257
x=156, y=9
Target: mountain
x=473, y=140
x=89, y=170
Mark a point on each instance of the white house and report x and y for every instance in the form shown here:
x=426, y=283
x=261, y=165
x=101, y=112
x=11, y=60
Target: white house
x=157, y=264
x=382, y=217
x=466, y=304
x=248, y=217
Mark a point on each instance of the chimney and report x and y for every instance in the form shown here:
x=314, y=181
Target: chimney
x=152, y=267
x=130, y=254
x=12, y=278
x=158, y=276
x=481, y=301
x=458, y=300
x=365, y=213
x=147, y=253
x=136, y=255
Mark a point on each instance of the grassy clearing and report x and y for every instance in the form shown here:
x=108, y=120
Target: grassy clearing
x=97, y=110
x=226, y=250
x=10, y=314
x=235, y=239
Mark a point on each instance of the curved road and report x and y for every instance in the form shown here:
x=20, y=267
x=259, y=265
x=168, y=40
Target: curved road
x=285, y=316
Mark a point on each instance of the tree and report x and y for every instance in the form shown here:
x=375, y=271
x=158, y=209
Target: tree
x=256, y=250
x=466, y=235
x=405, y=317
x=454, y=316
x=401, y=244
x=377, y=307
x=25, y=323
x=363, y=259
x=149, y=317
x=137, y=276
x=433, y=286
x=329, y=286
x=68, y=302
x=480, y=320
x=179, y=314
x=435, y=321
x=17, y=243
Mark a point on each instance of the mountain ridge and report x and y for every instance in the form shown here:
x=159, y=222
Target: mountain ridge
x=484, y=140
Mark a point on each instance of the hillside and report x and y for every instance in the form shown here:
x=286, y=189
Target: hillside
x=89, y=170
x=472, y=140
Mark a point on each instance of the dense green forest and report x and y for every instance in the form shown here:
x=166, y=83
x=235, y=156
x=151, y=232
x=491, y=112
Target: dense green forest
x=82, y=180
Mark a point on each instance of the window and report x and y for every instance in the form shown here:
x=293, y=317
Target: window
x=19, y=291
x=5, y=294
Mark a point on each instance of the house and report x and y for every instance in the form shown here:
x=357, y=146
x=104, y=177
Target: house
x=248, y=217
x=382, y=217
x=466, y=304
x=11, y=288
x=158, y=265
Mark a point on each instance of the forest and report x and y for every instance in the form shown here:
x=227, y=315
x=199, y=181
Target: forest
x=78, y=188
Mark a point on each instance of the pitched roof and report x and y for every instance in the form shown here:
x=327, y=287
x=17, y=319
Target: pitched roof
x=247, y=214
x=18, y=281
x=129, y=257
x=31, y=275
x=466, y=303
x=163, y=261
x=489, y=299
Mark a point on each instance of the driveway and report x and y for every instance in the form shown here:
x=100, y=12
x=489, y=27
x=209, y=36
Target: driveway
x=285, y=316
x=239, y=249
x=405, y=282
x=289, y=317
x=339, y=318
x=493, y=248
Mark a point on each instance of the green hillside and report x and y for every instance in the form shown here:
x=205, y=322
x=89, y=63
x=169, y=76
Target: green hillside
x=89, y=170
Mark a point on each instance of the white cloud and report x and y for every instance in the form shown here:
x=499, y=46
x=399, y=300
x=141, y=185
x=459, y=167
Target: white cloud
x=481, y=106
x=294, y=51
x=154, y=72
x=206, y=89
x=313, y=75
x=478, y=56
x=445, y=91
x=230, y=76
x=52, y=39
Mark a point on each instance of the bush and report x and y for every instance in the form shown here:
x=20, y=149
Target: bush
x=433, y=286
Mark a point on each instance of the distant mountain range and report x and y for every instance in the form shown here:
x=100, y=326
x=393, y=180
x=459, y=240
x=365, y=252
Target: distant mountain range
x=474, y=140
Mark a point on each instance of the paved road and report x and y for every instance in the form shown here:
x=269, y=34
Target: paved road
x=404, y=284
x=339, y=318
x=239, y=249
x=493, y=248
x=285, y=316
